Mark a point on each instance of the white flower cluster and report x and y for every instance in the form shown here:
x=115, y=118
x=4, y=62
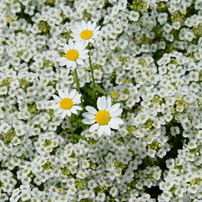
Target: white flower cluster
x=146, y=56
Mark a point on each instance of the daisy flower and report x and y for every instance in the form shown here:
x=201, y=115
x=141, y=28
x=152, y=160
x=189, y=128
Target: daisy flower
x=75, y=53
x=65, y=103
x=104, y=118
x=86, y=32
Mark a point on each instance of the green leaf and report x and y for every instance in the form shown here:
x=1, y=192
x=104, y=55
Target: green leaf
x=100, y=90
x=88, y=91
x=78, y=137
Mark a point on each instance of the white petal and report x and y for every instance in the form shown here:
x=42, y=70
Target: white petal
x=114, y=107
x=60, y=111
x=75, y=31
x=65, y=62
x=112, y=124
x=77, y=107
x=109, y=103
x=68, y=112
x=72, y=93
x=63, y=115
x=66, y=93
x=76, y=100
x=107, y=130
x=100, y=130
x=91, y=110
x=61, y=94
x=88, y=121
x=73, y=110
x=88, y=115
x=101, y=103
x=61, y=59
x=93, y=127
x=57, y=98
x=71, y=44
x=116, y=113
x=118, y=121
x=54, y=106
x=83, y=25
x=80, y=61
x=66, y=47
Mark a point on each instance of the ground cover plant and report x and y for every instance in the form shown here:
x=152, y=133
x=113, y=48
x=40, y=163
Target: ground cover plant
x=100, y=100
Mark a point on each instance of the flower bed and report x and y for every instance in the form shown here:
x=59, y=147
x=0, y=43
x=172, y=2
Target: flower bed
x=100, y=100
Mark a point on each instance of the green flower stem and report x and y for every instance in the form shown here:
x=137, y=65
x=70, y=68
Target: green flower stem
x=77, y=81
x=70, y=127
x=76, y=78
x=91, y=70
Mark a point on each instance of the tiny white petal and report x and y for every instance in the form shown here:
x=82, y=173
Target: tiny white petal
x=56, y=98
x=88, y=115
x=114, y=107
x=101, y=103
x=61, y=94
x=100, y=130
x=112, y=124
x=88, y=121
x=93, y=127
x=91, y=110
x=107, y=130
x=72, y=93
x=116, y=113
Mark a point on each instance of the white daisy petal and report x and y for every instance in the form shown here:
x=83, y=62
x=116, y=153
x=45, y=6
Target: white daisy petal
x=114, y=107
x=80, y=61
x=88, y=115
x=112, y=124
x=83, y=25
x=61, y=94
x=116, y=113
x=73, y=110
x=107, y=130
x=72, y=93
x=91, y=110
x=66, y=47
x=56, y=98
x=101, y=103
x=109, y=102
x=93, y=127
x=53, y=106
x=63, y=114
x=119, y=121
x=100, y=130
x=68, y=112
x=61, y=59
x=66, y=92
x=88, y=121
x=77, y=107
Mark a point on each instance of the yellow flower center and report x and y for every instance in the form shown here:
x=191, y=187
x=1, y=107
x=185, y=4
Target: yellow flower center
x=102, y=117
x=72, y=55
x=66, y=103
x=86, y=34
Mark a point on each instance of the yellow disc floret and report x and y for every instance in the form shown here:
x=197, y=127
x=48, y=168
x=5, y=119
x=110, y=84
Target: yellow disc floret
x=86, y=34
x=66, y=103
x=102, y=117
x=72, y=55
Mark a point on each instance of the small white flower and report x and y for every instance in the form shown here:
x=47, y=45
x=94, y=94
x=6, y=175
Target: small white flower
x=105, y=118
x=65, y=103
x=75, y=53
x=86, y=32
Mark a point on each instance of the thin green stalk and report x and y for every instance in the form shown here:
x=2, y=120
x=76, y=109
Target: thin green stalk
x=77, y=81
x=92, y=72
